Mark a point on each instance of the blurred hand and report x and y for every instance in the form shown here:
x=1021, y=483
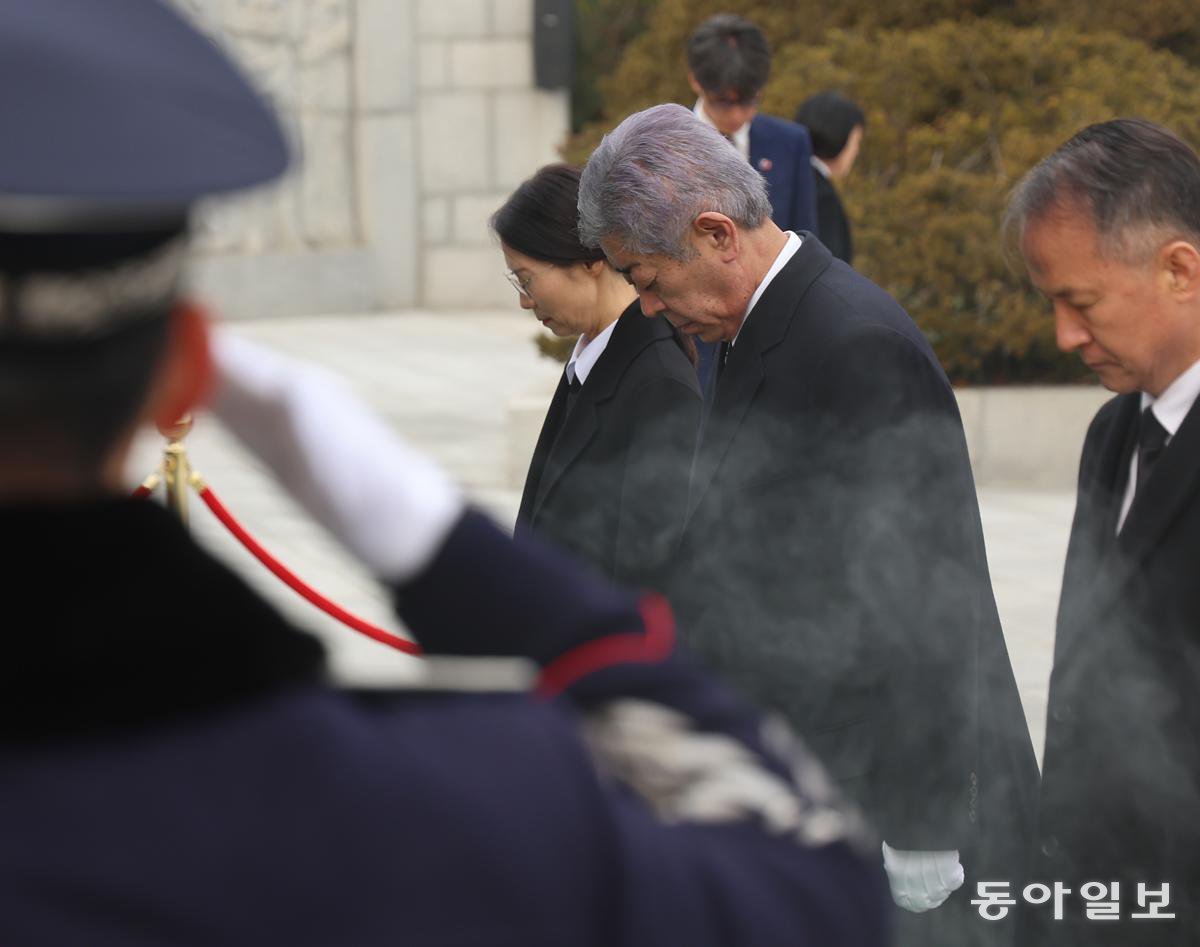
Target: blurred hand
x=389, y=505
x=921, y=881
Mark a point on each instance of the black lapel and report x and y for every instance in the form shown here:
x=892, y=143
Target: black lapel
x=541, y=453
x=765, y=328
x=1171, y=485
x=633, y=333
x=1088, y=575
x=1106, y=487
x=736, y=387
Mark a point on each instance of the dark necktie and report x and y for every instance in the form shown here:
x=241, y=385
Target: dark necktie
x=574, y=386
x=1152, y=438
x=710, y=389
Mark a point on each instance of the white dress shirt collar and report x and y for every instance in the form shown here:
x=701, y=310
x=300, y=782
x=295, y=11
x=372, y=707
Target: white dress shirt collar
x=788, y=251
x=585, y=356
x=1170, y=408
x=741, y=137
x=821, y=167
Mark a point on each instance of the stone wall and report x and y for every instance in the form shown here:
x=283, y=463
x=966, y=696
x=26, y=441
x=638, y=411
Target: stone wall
x=412, y=120
x=482, y=128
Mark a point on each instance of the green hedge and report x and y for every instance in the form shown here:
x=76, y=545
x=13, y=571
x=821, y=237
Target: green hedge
x=956, y=112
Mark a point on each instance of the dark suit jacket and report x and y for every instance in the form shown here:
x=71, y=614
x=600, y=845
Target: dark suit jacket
x=833, y=563
x=833, y=226
x=1120, y=793
x=780, y=150
x=609, y=480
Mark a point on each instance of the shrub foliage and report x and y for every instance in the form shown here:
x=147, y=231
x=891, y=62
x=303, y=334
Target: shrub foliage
x=961, y=99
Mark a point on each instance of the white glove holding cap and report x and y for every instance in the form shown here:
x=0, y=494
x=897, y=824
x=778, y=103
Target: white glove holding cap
x=389, y=505
x=921, y=881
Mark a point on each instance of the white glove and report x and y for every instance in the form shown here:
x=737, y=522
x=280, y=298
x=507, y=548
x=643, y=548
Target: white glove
x=921, y=881
x=390, y=506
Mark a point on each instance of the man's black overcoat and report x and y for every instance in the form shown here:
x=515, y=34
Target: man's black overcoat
x=833, y=565
x=1120, y=796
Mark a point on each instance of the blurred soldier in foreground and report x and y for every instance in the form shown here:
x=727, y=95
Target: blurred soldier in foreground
x=174, y=767
x=1109, y=227
x=832, y=561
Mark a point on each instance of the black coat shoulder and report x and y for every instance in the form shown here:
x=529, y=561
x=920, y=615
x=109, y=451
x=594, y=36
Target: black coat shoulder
x=647, y=350
x=1104, y=418
x=825, y=330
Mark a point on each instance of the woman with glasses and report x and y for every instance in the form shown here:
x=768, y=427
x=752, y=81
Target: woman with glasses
x=609, y=474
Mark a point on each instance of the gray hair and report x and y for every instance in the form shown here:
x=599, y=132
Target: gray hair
x=1139, y=183
x=655, y=173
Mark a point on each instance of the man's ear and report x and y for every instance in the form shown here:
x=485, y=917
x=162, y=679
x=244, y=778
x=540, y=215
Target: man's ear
x=696, y=87
x=186, y=370
x=717, y=232
x=1180, y=262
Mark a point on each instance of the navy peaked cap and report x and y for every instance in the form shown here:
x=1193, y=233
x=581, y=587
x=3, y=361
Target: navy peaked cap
x=111, y=107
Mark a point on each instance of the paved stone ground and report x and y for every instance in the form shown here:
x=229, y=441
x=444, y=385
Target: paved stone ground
x=444, y=381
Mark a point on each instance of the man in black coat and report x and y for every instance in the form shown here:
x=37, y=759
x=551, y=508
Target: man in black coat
x=1109, y=226
x=175, y=766
x=836, y=125
x=833, y=562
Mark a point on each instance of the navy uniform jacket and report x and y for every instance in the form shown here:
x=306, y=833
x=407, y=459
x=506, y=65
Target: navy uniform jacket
x=833, y=565
x=1120, y=795
x=608, y=479
x=174, y=768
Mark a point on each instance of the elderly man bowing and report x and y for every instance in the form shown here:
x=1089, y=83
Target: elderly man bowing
x=833, y=562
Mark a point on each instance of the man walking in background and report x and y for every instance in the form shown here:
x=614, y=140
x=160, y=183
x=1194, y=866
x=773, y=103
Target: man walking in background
x=836, y=125
x=1109, y=227
x=729, y=63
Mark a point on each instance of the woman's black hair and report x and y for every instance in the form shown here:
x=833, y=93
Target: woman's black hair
x=540, y=219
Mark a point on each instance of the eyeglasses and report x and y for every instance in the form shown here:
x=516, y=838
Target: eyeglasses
x=517, y=284
x=722, y=103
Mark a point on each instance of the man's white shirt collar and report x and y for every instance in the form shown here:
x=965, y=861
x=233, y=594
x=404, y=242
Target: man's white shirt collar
x=741, y=137
x=822, y=167
x=585, y=356
x=781, y=259
x=1170, y=408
